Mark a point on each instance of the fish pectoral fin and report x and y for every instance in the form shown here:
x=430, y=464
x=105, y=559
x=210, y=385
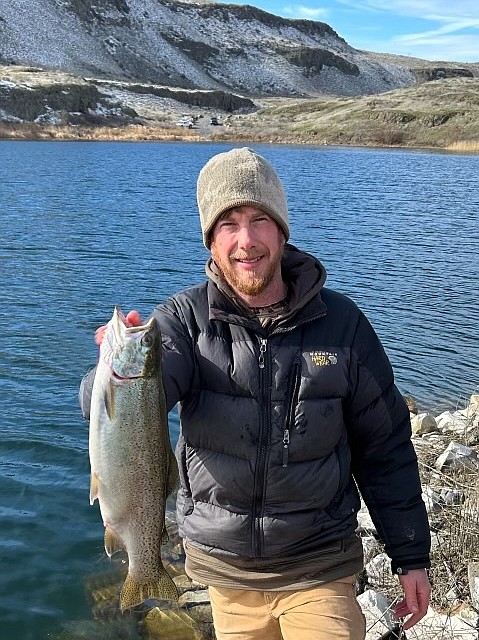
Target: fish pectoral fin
x=113, y=543
x=164, y=536
x=109, y=400
x=133, y=593
x=94, y=486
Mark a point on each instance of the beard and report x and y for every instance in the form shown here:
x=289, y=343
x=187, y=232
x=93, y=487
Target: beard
x=248, y=283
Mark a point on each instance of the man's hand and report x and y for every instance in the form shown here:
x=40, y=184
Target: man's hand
x=417, y=592
x=132, y=319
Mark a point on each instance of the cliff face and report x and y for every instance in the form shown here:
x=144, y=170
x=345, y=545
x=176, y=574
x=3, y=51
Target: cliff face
x=188, y=45
x=77, y=61
x=29, y=94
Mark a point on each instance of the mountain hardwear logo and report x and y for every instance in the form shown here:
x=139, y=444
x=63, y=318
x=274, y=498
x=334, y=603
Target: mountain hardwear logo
x=323, y=358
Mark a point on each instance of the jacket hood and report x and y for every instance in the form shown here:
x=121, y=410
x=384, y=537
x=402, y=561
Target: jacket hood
x=303, y=273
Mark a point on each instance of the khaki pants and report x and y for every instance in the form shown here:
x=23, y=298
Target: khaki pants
x=323, y=613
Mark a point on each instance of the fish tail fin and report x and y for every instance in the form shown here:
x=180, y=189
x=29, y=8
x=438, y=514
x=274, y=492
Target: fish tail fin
x=133, y=593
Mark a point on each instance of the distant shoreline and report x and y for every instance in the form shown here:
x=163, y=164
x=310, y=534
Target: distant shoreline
x=148, y=133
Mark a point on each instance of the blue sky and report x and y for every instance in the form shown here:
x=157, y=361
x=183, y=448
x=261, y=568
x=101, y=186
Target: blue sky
x=445, y=30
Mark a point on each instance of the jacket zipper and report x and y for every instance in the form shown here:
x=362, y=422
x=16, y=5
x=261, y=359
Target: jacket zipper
x=293, y=400
x=263, y=446
x=262, y=351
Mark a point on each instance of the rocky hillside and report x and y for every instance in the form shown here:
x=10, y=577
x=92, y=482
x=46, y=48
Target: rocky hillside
x=193, y=45
x=67, y=66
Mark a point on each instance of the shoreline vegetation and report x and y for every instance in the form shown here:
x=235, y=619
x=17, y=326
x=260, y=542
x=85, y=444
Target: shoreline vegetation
x=440, y=115
x=158, y=133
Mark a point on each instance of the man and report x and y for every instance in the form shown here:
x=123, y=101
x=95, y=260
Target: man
x=287, y=403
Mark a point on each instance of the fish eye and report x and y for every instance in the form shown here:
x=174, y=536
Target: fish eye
x=147, y=340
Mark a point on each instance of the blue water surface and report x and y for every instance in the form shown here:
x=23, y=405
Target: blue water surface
x=85, y=226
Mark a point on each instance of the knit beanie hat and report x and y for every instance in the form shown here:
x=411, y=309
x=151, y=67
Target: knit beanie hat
x=237, y=178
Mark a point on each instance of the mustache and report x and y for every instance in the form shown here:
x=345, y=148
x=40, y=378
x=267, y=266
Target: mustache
x=242, y=255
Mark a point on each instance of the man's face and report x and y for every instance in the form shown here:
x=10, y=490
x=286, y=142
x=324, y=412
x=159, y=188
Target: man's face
x=247, y=245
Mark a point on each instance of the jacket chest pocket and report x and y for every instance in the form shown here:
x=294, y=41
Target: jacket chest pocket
x=291, y=411
x=313, y=428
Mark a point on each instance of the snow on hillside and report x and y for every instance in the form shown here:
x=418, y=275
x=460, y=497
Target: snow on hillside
x=185, y=44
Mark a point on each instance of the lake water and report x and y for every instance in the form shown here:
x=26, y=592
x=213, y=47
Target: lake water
x=85, y=226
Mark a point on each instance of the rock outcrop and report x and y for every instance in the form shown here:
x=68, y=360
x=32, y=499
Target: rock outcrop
x=192, y=45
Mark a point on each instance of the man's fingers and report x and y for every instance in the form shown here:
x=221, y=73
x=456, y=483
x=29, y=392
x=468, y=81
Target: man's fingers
x=99, y=335
x=417, y=591
x=410, y=622
x=402, y=610
x=133, y=319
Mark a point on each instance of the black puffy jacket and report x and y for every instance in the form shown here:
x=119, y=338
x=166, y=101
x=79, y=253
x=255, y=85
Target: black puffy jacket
x=278, y=427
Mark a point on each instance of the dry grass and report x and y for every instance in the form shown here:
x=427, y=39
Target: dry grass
x=442, y=114
x=454, y=522
x=455, y=526
x=464, y=146
x=133, y=133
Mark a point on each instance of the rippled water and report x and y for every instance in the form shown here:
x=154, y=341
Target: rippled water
x=87, y=226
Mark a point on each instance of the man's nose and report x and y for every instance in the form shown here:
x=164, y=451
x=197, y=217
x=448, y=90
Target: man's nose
x=245, y=237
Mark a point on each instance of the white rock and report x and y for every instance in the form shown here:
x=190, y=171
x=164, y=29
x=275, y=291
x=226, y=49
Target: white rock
x=370, y=547
x=474, y=400
x=472, y=411
x=452, y=596
x=448, y=421
x=438, y=626
x=378, y=613
x=473, y=577
x=365, y=522
x=436, y=541
x=457, y=455
x=431, y=499
x=379, y=570
x=451, y=497
x=423, y=423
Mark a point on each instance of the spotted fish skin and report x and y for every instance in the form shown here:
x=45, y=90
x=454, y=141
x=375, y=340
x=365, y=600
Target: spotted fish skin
x=133, y=467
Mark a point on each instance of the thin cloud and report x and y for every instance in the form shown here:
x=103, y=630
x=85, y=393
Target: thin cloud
x=447, y=28
x=435, y=47
x=309, y=13
x=453, y=27
x=426, y=9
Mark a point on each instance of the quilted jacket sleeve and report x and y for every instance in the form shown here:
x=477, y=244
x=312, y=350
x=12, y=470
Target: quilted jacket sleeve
x=384, y=462
x=178, y=364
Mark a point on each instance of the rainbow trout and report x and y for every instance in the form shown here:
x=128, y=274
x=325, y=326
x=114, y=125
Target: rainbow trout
x=133, y=468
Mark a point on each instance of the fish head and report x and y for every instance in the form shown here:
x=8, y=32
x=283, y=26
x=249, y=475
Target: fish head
x=131, y=352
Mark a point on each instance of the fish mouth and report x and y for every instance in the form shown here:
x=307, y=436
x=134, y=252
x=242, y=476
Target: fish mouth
x=144, y=327
x=116, y=376
x=129, y=367
x=119, y=324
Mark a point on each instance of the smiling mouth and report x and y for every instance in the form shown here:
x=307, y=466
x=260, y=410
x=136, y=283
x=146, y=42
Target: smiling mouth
x=247, y=260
